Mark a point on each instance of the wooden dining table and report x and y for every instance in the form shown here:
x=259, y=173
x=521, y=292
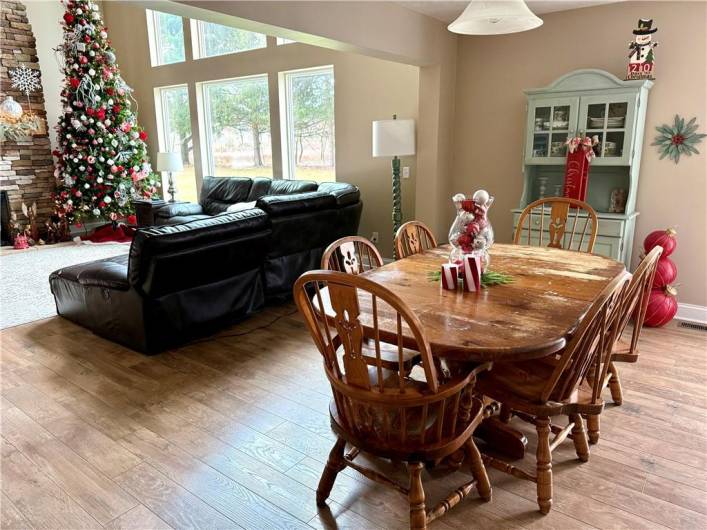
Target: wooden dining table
x=531, y=317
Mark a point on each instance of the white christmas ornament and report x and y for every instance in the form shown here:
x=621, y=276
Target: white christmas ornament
x=25, y=79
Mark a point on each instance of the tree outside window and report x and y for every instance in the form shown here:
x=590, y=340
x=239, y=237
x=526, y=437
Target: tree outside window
x=176, y=136
x=239, y=126
x=310, y=123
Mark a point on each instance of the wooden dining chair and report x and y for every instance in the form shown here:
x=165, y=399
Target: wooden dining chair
x=386, y=413
x=412, y=238
x=634, y=306
x=355, y=255
x=568, y=383
x=351, y=254
x=567, y=229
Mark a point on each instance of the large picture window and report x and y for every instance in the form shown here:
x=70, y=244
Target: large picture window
x=237, y=126
x=174, y=128
x=166, y=36
x=215, y=39
x=308, y=124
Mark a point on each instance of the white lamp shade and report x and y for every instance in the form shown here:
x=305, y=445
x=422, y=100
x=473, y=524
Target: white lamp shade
x=393, y=138
x=495, y=17
x=169, y=162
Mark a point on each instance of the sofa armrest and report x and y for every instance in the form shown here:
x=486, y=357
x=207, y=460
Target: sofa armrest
x=178, y=209
x=345, y=194
x=278, y=205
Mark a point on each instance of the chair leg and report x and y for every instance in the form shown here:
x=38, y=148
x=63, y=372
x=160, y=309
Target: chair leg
x=615, y=385
x=416, y=497
x=483, y=486
x=333, y=466
x=593, y=428
x=544, y=465
x=579, y=437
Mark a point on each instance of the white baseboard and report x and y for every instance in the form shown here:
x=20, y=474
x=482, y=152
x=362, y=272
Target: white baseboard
x=692, y=313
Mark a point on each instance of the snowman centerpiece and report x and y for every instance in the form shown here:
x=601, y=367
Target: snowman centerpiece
x=471, y=232
x=641, y=58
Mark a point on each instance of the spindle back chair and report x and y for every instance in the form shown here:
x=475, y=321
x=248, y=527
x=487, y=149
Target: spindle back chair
x=355, y=255
x=387, y=413
x=413, y=237
x=351, y=254
x=633, y=306
x=563, y=221
x=568, y=383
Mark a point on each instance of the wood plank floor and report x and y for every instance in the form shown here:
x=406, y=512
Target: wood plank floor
x=233, y=432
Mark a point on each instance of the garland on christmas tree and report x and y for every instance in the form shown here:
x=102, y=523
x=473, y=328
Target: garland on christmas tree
x=102, y=164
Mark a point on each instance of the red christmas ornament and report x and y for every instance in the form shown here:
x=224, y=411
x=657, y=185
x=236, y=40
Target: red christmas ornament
x=68, y=18
x=143, y=135
x=74, y=82
x=662, y=306
x=664, y=238
x=665, y=273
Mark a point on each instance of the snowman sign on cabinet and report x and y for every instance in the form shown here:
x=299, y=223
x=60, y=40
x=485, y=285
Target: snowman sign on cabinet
x=641, y=58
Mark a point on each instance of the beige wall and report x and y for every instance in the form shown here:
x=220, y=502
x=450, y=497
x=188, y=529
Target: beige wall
x=493, y=71
x=366, y=89
x=44, y=16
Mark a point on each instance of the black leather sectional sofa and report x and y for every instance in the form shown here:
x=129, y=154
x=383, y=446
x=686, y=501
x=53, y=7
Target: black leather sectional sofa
x=200, y=267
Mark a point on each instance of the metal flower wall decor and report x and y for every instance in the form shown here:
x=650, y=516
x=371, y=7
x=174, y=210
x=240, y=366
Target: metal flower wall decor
x=678, y=139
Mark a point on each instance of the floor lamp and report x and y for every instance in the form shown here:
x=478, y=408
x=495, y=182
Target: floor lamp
x=394, y=138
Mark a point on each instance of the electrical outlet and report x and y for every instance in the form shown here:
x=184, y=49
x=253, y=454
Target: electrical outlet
x=406, y=172
x=374, y=237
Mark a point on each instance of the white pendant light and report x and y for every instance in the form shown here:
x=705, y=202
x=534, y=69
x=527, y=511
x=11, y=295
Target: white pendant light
x=495, y=17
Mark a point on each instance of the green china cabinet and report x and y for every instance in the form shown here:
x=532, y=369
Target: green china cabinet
x=589, y=103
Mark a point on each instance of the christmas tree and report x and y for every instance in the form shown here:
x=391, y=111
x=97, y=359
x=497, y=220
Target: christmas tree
x=102, y=162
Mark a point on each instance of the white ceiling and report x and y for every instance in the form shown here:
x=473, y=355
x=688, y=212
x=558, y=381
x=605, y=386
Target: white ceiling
x=448, y=11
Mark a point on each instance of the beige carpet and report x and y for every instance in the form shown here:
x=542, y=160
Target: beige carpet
x=24, y=277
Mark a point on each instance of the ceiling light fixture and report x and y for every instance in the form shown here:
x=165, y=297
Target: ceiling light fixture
x=495, y=17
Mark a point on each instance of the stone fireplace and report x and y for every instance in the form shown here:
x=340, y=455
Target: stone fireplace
x=26, y=165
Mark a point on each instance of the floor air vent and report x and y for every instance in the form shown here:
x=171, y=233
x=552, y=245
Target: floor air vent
x=693, y=325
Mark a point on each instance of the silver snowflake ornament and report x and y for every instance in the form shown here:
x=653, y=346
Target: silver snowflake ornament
x=25, y=79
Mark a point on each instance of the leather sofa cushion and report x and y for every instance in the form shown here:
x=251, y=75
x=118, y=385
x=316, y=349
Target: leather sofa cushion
x=111, y=273
x=259, y=188
x=288, y=187
x=181, y=219
x=218, y=193
x=279, y=205
x=344, y=194
x=166, y=259
x=178, y=209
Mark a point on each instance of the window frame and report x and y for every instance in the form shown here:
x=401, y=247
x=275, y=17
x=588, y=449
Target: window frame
x=154, y=41
x=205, y=125
x=287, y=130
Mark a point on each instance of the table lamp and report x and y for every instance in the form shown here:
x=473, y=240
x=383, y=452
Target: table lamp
x=169, y=162
x=394, y=138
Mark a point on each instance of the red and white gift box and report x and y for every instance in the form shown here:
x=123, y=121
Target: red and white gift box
x=450, y=276
x=472, y=273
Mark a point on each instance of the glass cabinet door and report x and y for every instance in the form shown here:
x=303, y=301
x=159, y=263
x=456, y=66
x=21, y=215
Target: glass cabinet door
x=611, y=120
x=550, y=122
